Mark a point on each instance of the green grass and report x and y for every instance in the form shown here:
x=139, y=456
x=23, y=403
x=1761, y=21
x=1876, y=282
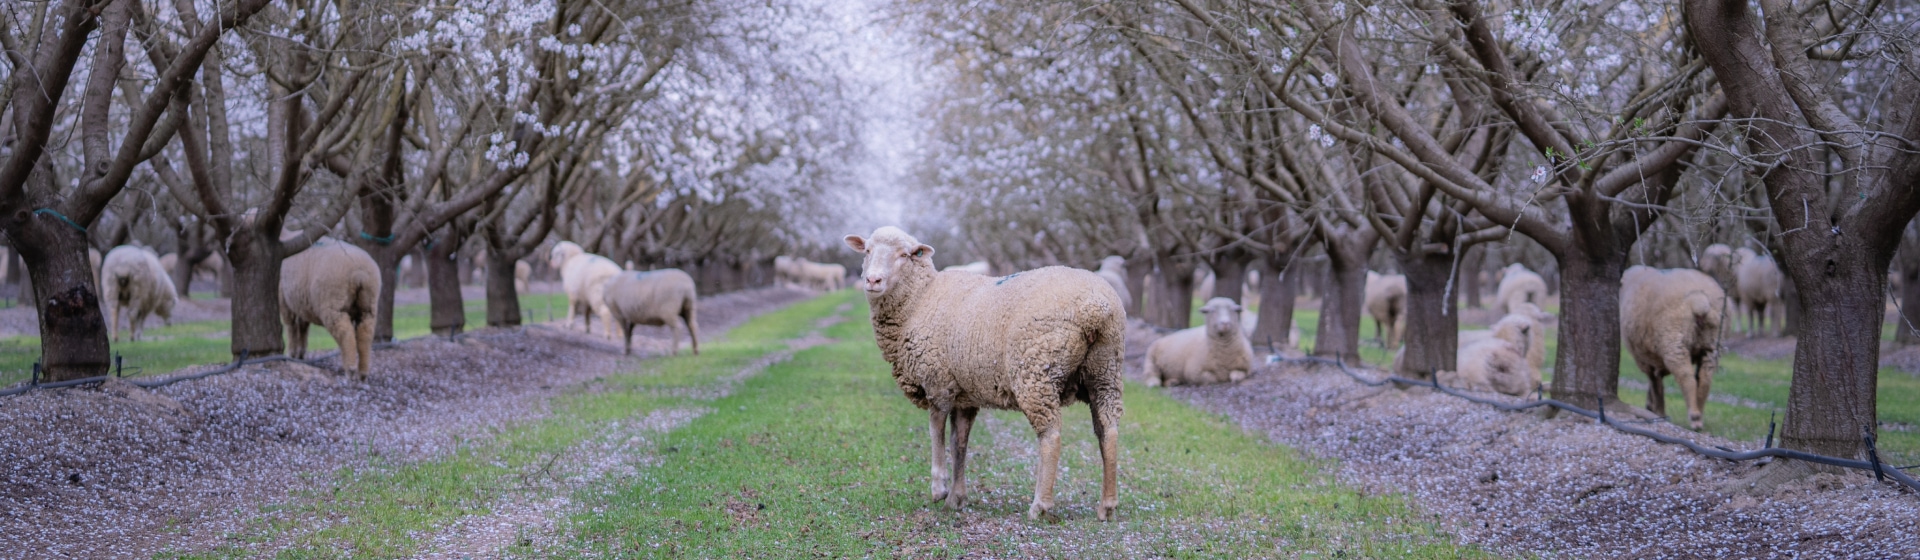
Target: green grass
x=378, y=508
x=163, y=349
x=821, y=456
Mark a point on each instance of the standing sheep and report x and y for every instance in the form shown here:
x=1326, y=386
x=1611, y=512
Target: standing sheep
x=786, y=270
x=1756, y=283
x=976, y=267
x=822, y=276
x=1113, y=269
x=335, y=285
x=1387, y=304
x=1519, y=285
x=579, y=273
x=1212, y=353
x=522, y=272
x=1717, y=261
x=134, y=284
x=1671, y=320
x=658, y=298
x=1035, y=341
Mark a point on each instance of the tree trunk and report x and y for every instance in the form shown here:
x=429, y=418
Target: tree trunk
x=1836, y=360
x=1277, y=290
x=1588, y=366
x=503, y=299
x=1433, y=329
x=73, y=333
x=1344, y=299
x=1470, y=267
x=1230, y=274
x=255, y=262
x=449, y=315
x=1137, y=273
x=182, y=274
x=1791, y=310
x=1907, y=321
x=1172, y=297
x=388, y=259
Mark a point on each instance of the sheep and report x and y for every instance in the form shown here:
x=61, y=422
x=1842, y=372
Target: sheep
x=1757, y=281
x=1494, y=365
x=1523, y=315
x=1212, y=353
x=1387, y=304
x=522, y=273
x=1035, y=341
x=1517, y=284
x=133, y=283
x=336, y=285
x=657, y=298
x=823, y=276
x=1717, y=261
x=786, y=270
x=1671, y=321
x=579, y=271
x=976, y=267
x=1113, y=269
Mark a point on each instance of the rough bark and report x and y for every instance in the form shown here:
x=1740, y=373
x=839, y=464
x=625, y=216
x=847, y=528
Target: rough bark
x=255, y=260
x=1344, y=299
x=1831, y=402
x=1470, y=275
x=1433, y=329
x=1137, y=272
x=1907, y=323
x=1171, y=303
x=1230, y=274
x=449, y=311
x=73, y=331
x=503, y=298
x=1278, y=286
x=1587, y=368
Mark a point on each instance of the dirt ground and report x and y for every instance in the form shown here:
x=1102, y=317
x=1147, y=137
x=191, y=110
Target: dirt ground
x=1520, y=484
x=119, y=471
x=22, y=320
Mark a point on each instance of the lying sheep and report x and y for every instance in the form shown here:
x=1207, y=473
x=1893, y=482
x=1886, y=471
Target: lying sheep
x=578, y=272
x=661, y=298
x=1387, y=304
x=1756, y=281
x=1215, y=352
x=1526, y=318
x=1671, y=321
x=1519, y=285
x=134, y=284
x=976, y=267
x=1035, y=341
x=335, y=285
x=1113, y=269
x=1494, y=365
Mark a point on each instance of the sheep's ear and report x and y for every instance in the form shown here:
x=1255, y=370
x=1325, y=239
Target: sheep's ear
x=922, y=252
x=857, y=243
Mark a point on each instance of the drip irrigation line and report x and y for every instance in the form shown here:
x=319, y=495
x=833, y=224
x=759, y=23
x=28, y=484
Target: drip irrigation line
x=1881, y=470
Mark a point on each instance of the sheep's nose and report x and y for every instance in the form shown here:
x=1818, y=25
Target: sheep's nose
x=873, y=280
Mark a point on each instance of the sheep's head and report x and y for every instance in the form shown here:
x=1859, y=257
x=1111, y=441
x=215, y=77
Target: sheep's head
x=891, y=254
x=561, y=252
x=1222, y=316
x=1114, y=263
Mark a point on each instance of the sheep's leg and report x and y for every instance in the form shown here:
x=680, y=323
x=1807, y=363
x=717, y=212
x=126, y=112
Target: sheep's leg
x=113, y=319
x=363, y=338
x=136, y=325
x=344, y=335
x=962, y=427
x=1680, y=362
x=1703, y=383
x=628, y=337
x=1048, y=469
x=693, y=326
x=1656, y=390
x=1106, y=420
x=937, y=432
x=296, y=334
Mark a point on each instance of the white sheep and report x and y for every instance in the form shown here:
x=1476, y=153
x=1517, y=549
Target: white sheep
x=1215, y=352
x=1524, y=318
x=579, y=272
x=976, y=267
x=1113, y=269
x=1494, y=365
x=522, y=273
x=1519, y=285
x=134, y=284
x=822, y=276
x=1717, y=261
x=1386, y=302
x=337, y=286
x=1757, y=281
x=1671, y=321
x=1034, y=341
x=657, y=298
x=786, y=270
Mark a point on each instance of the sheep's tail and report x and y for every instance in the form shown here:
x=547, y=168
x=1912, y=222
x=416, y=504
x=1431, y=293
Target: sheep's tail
x=693, y=326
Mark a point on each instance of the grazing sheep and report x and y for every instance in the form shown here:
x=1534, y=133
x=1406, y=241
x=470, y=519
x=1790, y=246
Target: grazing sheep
x=1671, y=320
x=1212, y=353
x=1756, y=284
x=822, y=276
x=661, y=298
x=336, y=285
x=133, y=283
x=1113, y=269
x=1387, y=304
x=1519, y=285
x=976, y=267
x=1717, y=261
x=1034, y=341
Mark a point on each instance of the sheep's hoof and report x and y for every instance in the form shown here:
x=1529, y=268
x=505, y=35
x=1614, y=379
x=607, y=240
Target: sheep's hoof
x=939, y=494
x=1038, y=512
x=1105, y=511
x=956, y=500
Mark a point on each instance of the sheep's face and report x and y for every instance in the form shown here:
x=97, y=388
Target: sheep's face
x=1114, y=263
x=561, y=252
x=890, y=254
x=1222, y=315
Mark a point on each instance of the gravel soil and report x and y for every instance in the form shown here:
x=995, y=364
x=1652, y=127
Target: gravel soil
x=120, y=471
x=1521, y=484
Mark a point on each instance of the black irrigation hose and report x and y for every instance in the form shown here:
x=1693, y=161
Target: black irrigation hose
x=230, y=367
x=1880, y=470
